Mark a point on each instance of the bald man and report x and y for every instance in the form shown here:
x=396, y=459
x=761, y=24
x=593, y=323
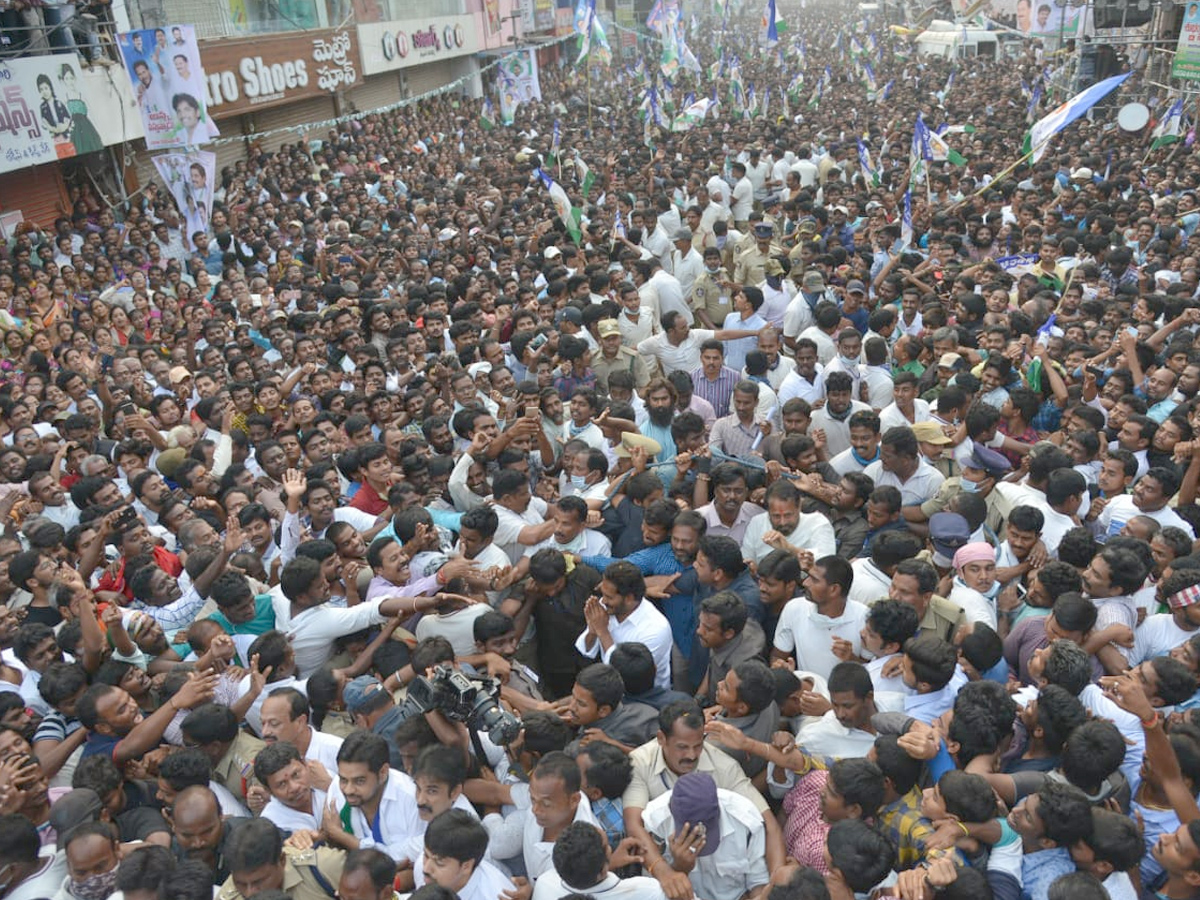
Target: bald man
x=199, y=832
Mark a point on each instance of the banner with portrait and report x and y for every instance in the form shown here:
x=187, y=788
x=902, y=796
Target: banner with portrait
x=164, y=68
x=517, y=81
x=1187, y=51
x=190, y=178
x=43, y=113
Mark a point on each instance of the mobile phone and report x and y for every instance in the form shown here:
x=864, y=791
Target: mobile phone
x=538, y=342
x=531, y=412
x=1095, y=370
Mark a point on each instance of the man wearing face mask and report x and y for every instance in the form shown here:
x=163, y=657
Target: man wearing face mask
x=709, y=297
x=92, y=859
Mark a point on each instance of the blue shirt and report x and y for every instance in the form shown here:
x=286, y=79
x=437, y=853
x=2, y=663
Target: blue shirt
x=678, y=608
x=1039, y=870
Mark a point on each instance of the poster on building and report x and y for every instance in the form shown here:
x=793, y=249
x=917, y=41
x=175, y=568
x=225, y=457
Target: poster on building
x=189, y=177
x=164, y=68
x=43, y=113
x=1187, y=51
x=522, y=70
x=528, y=19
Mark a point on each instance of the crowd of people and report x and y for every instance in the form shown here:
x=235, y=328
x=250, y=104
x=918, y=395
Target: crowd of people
x=388, y=537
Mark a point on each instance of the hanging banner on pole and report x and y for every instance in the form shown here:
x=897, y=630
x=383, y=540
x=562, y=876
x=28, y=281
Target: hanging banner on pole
x=169, y=84
x=189, y=177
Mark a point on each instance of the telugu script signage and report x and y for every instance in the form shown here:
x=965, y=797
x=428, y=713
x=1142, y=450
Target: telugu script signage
x=256, y=73
x=387, y=46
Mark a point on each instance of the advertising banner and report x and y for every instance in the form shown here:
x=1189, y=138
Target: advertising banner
x=1187, y=51
x=168, y=81
x=190, y=177
x=264, y=71
x=43, y=114
x=387, y=46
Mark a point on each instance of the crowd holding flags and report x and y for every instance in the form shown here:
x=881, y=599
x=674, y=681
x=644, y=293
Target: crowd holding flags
x=666, y=107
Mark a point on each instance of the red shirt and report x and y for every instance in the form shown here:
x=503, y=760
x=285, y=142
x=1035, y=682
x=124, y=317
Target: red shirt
x=367, y=499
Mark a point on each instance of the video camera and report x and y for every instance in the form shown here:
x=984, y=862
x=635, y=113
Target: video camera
x=473, y=701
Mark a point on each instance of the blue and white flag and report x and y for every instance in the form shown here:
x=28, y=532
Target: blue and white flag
x=1052, y=123
x=906, y=225
x=870, y=174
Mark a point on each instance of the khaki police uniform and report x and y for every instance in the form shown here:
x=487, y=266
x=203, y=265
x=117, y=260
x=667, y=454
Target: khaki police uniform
x=708, y=295
x=751, y=264
x=235, y=770
x=626, y=360
x=307, y=875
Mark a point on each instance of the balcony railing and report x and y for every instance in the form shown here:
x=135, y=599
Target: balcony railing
x=240, y=18
x=38, y=31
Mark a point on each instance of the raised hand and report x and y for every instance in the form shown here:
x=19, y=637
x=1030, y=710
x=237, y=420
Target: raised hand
x=294, y=483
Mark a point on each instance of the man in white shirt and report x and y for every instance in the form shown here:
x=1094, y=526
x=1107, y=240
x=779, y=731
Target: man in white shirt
x=784, y=527
x=677, y=347
x=520, y=524
x=809, y=627
x=665, y=289
x=571, y=534
x=381, y=803
x=742, y=202
x=902, y=466
x=284, y=719
x=805, y=167
x=581, y=866
x=636, y=322
x=303, y=613
x=455, y=845
x=906, y=407
x=1151, y=494
x=622, y=615
x=728, y=855
x=686, y=264
x=555, y=802
x=295, y=805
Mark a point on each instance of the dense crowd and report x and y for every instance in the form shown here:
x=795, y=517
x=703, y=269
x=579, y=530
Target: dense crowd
x=390, y=537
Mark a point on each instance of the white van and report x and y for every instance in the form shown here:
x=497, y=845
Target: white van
x=947, y=39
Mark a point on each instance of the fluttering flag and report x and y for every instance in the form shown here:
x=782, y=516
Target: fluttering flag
x=943, y=152
x=656, y=18
x=668, y=62
x=555, y=144
x=1052, y=123
x=693, y=115
x=887, y=89
x=793, y=89
x=1170, y=128
x=920, y=152
x=772, y=25
x=568, y=214
x=869, y=172
x=1035, y=96
x=869, y=76
x=591, y=33
x=586, y=176
x=906, y=223
x=487, y=116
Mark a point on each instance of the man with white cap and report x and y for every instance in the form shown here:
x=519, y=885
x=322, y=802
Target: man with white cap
x=713, y=836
